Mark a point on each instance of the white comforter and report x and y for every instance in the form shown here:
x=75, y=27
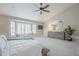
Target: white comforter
x=23, y=48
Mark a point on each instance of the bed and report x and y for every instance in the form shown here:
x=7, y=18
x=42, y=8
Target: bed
x=20, y=48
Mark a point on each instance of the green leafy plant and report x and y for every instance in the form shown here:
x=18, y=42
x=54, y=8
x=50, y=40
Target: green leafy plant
x=69, y=30
x=68, y=33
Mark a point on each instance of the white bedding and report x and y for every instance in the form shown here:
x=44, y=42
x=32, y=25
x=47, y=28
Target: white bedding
x=23, y=48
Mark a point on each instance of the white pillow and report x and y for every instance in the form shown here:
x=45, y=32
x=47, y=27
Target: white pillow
x=4, y=37
x=3, y=44
x=3, y=41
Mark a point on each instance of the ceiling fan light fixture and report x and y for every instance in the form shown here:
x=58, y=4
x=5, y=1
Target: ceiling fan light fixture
x=42, y=8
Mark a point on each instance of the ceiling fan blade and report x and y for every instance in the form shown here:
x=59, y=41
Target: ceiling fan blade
x=46, y=6
x=46, y=10
x=36, y=10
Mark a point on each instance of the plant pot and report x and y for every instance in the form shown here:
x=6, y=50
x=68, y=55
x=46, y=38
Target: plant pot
x=69, y=39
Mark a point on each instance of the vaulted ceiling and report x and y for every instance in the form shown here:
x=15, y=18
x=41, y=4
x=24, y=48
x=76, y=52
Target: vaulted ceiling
x=25, y=10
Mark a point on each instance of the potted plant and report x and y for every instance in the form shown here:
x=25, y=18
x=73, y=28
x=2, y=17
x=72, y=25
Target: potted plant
x=68, y=32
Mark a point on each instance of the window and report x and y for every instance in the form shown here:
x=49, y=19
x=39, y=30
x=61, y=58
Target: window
x=12, y=28
x=26, y=29
x=22, y=28
x=29, y=28
x=18, y=28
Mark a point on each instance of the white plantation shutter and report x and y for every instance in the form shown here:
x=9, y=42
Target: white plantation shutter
x=12, y=28
x=22, y=28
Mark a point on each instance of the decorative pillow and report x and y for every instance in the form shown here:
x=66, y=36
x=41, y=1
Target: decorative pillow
x=44, y=51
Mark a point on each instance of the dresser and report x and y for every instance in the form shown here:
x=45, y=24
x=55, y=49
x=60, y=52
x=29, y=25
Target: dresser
x=57, y=35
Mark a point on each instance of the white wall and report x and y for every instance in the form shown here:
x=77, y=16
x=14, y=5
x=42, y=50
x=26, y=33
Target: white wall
x=4, y=26
x=69, y=17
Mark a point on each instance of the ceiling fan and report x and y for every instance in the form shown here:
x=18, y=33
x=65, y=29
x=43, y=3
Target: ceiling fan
x=42, y=8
